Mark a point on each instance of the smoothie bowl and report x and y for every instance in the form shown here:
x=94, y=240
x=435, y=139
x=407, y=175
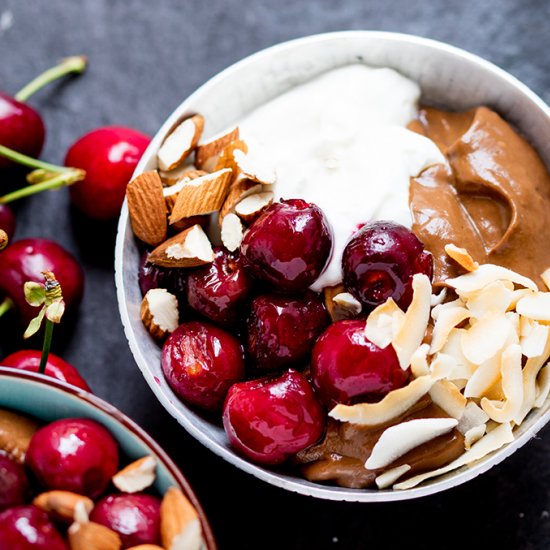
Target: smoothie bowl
x=77, y=473
x=334, y=248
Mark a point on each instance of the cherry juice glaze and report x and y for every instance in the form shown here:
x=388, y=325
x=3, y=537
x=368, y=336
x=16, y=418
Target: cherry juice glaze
x=340, y=458
x=493, y=199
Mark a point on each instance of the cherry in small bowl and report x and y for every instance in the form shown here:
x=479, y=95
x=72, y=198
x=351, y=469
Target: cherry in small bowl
x=135, y=517
x=289, y=245
x=201, y=362
x=74, y=454
x=14, y=486
x=282, y=330
x=346, y=367
x=271, y=419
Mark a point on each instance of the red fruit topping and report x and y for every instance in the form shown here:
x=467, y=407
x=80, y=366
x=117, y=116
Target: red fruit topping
x=201, y=362
x=271, y=419
x=282, y=330
x=348, y=368
x=7, y=219
x=109, y=156
x=74, y=454
x=150, y=276
x=14, y=487
x=379, y=262
x=219, y=291
x=29, y=359
x=289, y=245
x=21, y=128
x=135, y=517
x=28, y=528
x=25, y=260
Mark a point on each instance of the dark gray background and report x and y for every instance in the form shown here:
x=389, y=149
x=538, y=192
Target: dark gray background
x=145, y=57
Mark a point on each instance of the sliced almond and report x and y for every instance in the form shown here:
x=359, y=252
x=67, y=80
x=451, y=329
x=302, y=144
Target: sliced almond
x=489, y=443
x=63, y=504
x=389, y=477
x=461, y=257
x=232, y=232
x=202, y=195
x=16, y=432
x=241, y=188
x=254, y=169
x=535, y=306
x=394, y=404
x=93, y=536
x=159, y=313
x=147, y=208
x=173, y=177
x=180, y=142
x=180, y=527
x=171, y=193
x=207, y=153
x=410, y=335
x=252, y=206
x=398, y=440
x=190, y=248
x=137, y=476
x=226, y=158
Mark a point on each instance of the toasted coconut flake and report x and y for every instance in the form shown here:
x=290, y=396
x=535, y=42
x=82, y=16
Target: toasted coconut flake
x=461, y=257
x=447, y=320
x=447, y=396
x=472, y=417
x=252, y=168
x=473, y=435
x=487, y=444
x=545, y=276
x=232, y=232
x=495, y=296
x=388, y=478
x=400, y=439
x=180, y=143
x=207, y=153
x=137, y=476
x=411, y=333
x=252, y=206
x=440, y=308
x=533, y=337
x=484, y=377
x=535, y=306
x=384, y=323
x=486, y=338
x=512, y=386
x=438, y=299
x=442, y=366
x=393, y=405
x=202, y=195
x=419, y=361
x=462, y=369
x=543, y=387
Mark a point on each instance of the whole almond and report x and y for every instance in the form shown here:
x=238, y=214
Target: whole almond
x=179, y=522
x=147, y=208
x=63, y=504
x=93, y=536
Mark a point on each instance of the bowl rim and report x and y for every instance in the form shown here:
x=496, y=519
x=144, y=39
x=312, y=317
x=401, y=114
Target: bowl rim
x=274, y=478
x=106, y=407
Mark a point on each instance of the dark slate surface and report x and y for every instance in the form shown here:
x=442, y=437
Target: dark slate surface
x=145, y=58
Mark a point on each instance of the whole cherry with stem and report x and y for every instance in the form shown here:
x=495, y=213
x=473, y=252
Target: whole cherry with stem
x=21, y=126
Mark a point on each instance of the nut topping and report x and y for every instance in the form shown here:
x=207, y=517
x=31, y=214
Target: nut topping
x=180, y=143
x=160, y=315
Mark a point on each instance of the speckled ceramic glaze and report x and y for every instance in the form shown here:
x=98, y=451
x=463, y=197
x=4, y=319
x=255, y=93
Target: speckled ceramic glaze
x=448, y=76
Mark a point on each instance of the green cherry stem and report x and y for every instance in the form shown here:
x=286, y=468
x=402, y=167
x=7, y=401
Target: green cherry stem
x=70, y=65
x=68, y=177
x=48, y=331
x=19, y=158
x=5, y=306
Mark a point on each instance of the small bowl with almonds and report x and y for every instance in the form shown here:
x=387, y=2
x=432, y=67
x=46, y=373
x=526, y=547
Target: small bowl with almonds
x=330, y=271
x=84, y=476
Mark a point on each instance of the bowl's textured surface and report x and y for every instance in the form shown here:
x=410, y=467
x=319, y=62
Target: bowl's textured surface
x=28, y=393
x=448, y=76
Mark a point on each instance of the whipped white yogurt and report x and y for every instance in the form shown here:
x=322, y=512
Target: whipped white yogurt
x=341, y=142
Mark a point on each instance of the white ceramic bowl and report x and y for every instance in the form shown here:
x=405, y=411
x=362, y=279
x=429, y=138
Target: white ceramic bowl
x=448, y=76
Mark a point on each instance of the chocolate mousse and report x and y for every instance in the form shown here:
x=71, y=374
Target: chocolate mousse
x=492, y=199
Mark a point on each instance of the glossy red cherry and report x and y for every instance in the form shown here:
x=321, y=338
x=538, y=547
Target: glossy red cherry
x=73, y=454
x=152, y=276
x=7, y=220
x=220, y=290
x=282, y=330
x=379, y=262
x=201, y=362
x=29, y=359
x=21, y=128
x=346, y=367
x=14, y=486
x=271, y=419
x=28, y=528
x=25, y=260
x=289, y=245
x=135, y=517
x=109, y=156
